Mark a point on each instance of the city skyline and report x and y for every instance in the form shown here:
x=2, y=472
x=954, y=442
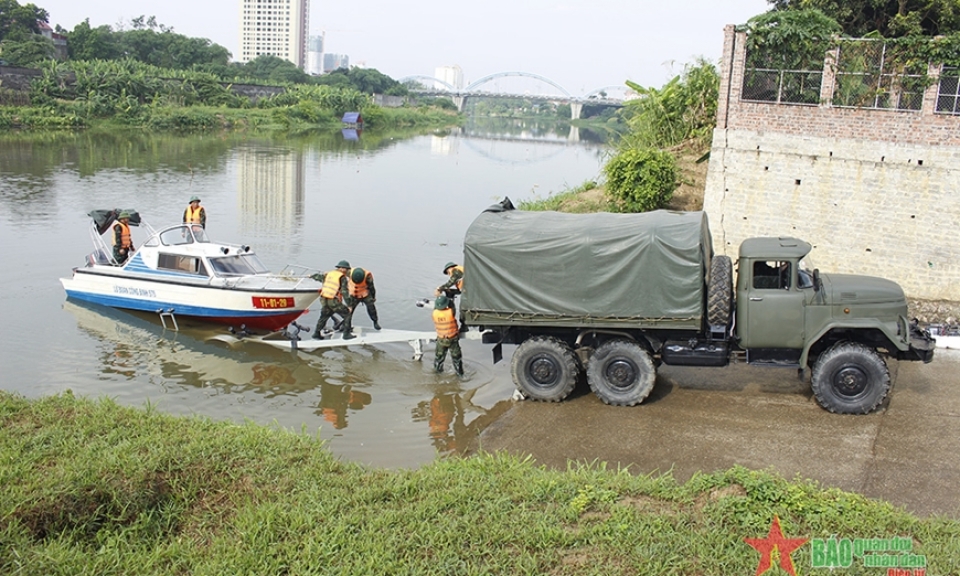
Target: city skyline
x=578, y=44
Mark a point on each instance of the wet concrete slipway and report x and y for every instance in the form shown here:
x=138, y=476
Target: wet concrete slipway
x=708, y=419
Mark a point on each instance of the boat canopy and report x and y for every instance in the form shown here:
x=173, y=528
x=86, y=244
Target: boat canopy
x=102, y=219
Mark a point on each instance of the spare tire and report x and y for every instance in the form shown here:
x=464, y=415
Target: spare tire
x=720, y=291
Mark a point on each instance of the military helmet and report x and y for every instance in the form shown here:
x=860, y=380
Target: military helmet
x=343, y=264
x=448, y=266
x=123, y=214
x=358, y=275
x=194, y=199
x=441, y=303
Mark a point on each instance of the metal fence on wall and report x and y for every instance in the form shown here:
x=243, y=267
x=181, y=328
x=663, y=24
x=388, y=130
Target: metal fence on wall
x=870, y=74
x=782, y=86
x=948, y=91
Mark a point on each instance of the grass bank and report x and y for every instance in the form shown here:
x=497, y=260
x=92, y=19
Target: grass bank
x=89, y=487
x=591, y=197
x=200, y=118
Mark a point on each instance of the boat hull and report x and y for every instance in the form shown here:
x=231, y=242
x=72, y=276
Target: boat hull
x=257, y=308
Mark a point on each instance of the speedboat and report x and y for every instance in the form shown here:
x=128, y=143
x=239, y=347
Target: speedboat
x=178, y=272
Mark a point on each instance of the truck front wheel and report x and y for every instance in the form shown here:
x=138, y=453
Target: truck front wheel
x=545, y=369
x=850, y=378
x=621, y=373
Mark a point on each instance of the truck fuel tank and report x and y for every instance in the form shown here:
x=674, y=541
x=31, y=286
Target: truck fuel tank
x=695, y=353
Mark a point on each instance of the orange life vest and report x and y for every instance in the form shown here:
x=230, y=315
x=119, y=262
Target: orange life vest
x=331, y=285
x=460, y=281
x=360, y=290
x=445, y=322
x=125, y=241
x=192, y=216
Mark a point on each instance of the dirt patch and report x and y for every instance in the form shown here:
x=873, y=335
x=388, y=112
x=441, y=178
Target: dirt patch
x=692, y=163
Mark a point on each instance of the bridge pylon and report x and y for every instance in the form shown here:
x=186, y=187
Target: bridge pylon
x=460, y=102
x=575, y=109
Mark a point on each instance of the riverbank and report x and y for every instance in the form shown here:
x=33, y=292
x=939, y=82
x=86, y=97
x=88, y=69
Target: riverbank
x=92, y=487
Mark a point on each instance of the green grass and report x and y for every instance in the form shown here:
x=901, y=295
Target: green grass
x=90, y=487
x=582, y=199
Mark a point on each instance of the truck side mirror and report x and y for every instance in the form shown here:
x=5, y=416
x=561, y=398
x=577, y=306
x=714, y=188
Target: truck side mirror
x=816, y=280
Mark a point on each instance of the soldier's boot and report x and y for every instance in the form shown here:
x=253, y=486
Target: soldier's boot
x=348, y=329
x=376, y=321
x=458, y=366
x=318, y=331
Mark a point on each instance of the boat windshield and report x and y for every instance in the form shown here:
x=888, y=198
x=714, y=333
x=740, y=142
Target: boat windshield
x=239, y=265
x=186, y=234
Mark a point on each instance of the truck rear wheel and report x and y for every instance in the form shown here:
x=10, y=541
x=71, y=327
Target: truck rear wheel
x=720, y=291
x=545, y=369
x=850, y=378
x=621, y=373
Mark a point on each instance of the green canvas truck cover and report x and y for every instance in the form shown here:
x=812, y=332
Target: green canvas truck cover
x=599, y=270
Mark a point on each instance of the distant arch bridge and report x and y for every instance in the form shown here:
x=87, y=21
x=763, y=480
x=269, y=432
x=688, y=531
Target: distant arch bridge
x=459, y=96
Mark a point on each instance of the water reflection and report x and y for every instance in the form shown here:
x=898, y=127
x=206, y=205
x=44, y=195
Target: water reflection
x=404, y=201
x=271, y=190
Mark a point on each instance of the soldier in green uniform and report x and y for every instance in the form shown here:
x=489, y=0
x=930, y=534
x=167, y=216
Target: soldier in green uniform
x=334, y=292
x=363, y=291
x=448, y=337
x=453, y=288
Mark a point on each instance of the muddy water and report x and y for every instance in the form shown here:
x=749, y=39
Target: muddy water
x=397, y=205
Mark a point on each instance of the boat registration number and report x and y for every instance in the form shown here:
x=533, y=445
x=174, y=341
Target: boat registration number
x=271, y=302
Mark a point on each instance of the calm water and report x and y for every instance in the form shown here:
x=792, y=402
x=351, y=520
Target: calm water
x=397, y=206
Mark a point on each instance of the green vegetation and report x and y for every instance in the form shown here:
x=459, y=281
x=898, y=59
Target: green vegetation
x=641, y=179
x=583, y=199
x=95, y=488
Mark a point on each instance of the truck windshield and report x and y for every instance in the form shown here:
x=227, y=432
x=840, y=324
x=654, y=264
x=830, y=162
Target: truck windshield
x=239, y=265
x=805, y=273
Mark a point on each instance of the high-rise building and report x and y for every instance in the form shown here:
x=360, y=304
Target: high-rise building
x=315, y=55
x=277, y=27
x=332, y=62
x=452, y=75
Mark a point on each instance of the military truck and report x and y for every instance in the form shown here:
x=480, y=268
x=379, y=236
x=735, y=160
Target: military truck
x=612, y=296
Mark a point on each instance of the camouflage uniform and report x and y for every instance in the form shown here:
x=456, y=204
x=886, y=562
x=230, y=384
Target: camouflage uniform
x=120, y=254
x=453, y=345
x=448, y=337
x=331, y=306
x=449, y=288
x=369, y=301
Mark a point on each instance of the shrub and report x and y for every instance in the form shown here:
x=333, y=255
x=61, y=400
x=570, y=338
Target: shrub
x=641, y=179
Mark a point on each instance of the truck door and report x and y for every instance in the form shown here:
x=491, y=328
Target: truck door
x=770, y=312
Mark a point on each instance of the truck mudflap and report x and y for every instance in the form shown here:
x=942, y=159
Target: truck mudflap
x=922, y=344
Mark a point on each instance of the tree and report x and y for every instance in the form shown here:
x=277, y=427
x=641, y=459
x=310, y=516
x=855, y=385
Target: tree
x=366, y=80
x=29, y=51
x=889, y=18
x=18, y=22
x=87, y=43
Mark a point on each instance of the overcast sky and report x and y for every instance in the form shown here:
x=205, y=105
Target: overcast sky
x=580, y=44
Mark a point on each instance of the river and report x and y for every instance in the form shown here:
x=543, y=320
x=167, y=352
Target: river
x=397, y=205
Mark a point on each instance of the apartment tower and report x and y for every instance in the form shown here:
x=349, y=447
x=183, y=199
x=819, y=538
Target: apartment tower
x=277, y=27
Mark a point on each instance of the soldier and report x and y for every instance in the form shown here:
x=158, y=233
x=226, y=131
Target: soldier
x=448, y=337
x=195, y=214
x=122, y=241
x=332, y=295
x=452, y=288
x=363, y=291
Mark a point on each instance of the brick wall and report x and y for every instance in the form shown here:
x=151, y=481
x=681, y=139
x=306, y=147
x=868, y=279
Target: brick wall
x=875, y=191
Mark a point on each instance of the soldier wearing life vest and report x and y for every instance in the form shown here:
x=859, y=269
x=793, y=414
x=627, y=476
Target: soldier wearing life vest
x=122, y=241
x=453, y=288
x=448, y=337
x=362, y=291
x=333, y=294
x=195, y=214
